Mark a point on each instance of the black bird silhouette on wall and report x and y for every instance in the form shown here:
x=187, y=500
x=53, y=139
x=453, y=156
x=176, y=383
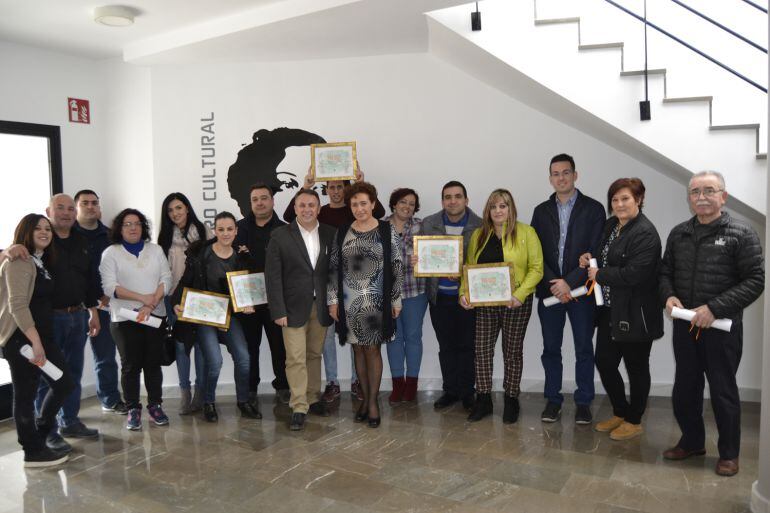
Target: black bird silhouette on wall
x=258, y=162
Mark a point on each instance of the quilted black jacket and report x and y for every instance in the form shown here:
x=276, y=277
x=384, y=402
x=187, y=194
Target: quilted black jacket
x=722, y=267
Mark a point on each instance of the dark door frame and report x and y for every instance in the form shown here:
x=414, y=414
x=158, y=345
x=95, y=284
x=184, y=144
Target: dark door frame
x=53, y=134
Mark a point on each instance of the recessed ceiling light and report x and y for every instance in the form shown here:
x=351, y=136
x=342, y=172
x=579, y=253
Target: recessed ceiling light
x=114, y=15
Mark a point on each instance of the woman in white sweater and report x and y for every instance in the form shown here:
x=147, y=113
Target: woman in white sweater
x=136, y=275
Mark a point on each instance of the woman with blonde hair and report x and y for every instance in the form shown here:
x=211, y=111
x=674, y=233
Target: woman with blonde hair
x=503, y=239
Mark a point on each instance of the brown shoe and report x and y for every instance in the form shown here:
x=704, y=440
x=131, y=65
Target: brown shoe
x=677, y=453
x=626, y=431
x=727, y=467
x=608, y=425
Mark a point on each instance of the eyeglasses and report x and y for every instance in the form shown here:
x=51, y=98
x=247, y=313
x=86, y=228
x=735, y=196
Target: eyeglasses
x=131, y=225
x=708, y=192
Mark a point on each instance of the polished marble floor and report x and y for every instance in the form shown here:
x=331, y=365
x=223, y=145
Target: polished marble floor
x=417, y=461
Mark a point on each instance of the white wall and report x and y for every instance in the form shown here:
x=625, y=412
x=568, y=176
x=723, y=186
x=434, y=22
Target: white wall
x=418, y=122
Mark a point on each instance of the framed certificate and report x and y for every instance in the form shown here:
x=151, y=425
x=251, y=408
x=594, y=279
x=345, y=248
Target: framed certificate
x=208, y=308
x=438, y=255
x=488, y=284
x=333, y=161
x=246, y=289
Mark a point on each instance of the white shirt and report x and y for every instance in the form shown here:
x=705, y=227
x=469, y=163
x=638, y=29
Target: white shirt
x=141, y=275
x=312, y=242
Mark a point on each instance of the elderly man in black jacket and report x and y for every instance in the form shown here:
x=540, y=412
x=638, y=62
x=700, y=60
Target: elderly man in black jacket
x=713, y=264
x=296, y=275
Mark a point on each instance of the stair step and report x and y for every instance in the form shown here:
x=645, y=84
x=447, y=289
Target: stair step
x=761, y=156
x=748, y=126
x=638, y=72
x=599, y=46
x=555, y=21
x=683, y=99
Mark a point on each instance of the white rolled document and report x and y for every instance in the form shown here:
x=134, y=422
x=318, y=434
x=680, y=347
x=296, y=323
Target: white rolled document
x=50, y=369
x=687, y=315
x=597, y=288
x=553, y=300
x=131, y=315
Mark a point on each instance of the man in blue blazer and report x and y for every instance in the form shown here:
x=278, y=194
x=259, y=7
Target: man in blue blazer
x=568, y=224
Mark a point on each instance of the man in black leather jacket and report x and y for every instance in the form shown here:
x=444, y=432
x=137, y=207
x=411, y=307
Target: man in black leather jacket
x=713, y=264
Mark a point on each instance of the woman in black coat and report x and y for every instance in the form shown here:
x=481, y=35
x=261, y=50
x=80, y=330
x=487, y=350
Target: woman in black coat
x=631, y=317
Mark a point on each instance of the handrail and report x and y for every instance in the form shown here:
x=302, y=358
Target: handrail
x=688, y=45
x=716, y=23
x=756, y=6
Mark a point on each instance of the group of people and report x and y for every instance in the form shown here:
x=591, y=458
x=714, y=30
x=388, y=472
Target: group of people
x=338, y=272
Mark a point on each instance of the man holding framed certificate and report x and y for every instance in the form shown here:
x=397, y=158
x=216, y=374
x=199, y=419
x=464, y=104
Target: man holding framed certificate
x=296, y=275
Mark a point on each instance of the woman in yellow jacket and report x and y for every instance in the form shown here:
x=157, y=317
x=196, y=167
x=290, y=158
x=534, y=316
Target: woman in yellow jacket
x=502, y=238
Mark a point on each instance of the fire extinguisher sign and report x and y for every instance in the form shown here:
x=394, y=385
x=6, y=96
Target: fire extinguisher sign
x=79, y=110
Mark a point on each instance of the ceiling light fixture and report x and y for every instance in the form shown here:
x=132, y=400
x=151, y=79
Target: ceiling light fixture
x=114, y=15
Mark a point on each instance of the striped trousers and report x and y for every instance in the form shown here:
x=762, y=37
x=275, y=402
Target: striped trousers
x=513, y=322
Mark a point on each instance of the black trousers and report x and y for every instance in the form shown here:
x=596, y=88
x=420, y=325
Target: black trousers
x=141, y=350
x=455, y=330
x=636, y=357
x=25, y=378
x=252, y=328
x=715, y=354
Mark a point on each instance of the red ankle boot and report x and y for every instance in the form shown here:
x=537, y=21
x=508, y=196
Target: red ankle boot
x=396, y=396
x=410, y=389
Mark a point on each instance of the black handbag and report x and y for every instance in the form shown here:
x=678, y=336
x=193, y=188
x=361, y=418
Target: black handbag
x=169, y=345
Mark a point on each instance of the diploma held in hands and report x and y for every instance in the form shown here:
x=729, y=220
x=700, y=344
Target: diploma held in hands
x=687, y=315
x=553, y=300
x=50, y=369
x=597, y=288
x=131, y=315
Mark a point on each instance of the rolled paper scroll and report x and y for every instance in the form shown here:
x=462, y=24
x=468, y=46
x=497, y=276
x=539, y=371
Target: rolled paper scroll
x=131, y=315
x=687, y=315
x=553, y=300
x=597, y=288
x=50, y=369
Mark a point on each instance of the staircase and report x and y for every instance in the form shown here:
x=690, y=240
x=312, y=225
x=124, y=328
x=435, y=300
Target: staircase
x=586, y=69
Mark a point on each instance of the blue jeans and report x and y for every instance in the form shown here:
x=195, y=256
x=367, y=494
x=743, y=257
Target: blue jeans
x=182, y=357
x=581, y=318
x=408, y=341
x=70, y=331
x=209, y=338
x=105, y=365
x=330, y=358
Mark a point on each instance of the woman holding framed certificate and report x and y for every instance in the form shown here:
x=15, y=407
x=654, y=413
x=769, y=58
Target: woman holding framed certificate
x=180, y=227
x=364, y=292
x=206, y=268
x=136, y=275
x=512, y=266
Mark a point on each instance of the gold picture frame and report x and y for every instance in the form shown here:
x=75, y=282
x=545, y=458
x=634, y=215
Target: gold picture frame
x=195, y=311
x=500, y=295
x=426, y=241
x=248, y=286
x=333, y=169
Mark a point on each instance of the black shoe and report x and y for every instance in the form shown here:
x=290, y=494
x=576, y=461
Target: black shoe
x=56, y=443
x=552, y=413
x=119, y=407
x=511, y=410
x=249, y=411
x=583, y=414
x=319, y=409
x=361, y=416
x=284, y=395
x=78, y=430
x=44, y=457
x=297, y=422
x=445, y=401
x=482, y=408
x=374, y=422
x=468, y=402
x=210, y=412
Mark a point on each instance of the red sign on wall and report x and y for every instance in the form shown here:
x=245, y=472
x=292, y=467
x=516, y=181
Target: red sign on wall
x=80, y=111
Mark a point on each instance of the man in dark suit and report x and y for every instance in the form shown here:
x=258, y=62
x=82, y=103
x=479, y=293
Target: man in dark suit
x=296, y=274
x=568, y=224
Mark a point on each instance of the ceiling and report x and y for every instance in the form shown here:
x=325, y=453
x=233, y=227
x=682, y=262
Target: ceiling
x=175, y=31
